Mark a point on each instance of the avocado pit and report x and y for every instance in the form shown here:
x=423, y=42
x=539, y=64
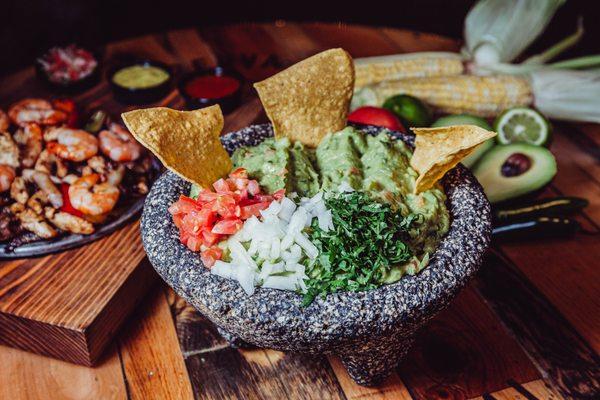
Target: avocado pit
x=516, y=164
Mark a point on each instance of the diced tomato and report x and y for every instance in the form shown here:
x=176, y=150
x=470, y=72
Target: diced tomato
x=196, y=220
x=206, y=195
x=253, y=209
x=227, y=226
x=221, y=186
x=184, y=205
x=210, y=255
x=209, y=238
x=261, y=198
x=253, y=187
x=238, y=183
x=194, y=243
x=178, y=220
x=239, y=173
x=225, y=206
x=279, y=194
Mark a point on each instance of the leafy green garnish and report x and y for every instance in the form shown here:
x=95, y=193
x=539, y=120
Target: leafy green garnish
x=368, y=239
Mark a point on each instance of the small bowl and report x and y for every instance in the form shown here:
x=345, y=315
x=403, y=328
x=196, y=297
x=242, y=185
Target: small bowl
x=71, y=87
x=128, y=95
x=228, y=102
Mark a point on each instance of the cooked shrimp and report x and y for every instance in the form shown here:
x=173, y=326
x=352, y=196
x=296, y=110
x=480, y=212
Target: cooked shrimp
x=118, y=144
x=7, y=176
x=9, y=151
x=4, y=121
x=71, y=144
x=91, y=197
x=44, y=182
x=30, y=138
x=39, y=111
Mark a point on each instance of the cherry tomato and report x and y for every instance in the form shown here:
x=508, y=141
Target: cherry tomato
x=376, y=116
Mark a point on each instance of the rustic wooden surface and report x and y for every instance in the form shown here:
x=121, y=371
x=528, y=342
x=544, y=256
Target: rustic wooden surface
x=527, y=328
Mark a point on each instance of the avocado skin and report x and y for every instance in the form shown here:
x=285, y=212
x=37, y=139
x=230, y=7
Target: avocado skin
x=499, y=188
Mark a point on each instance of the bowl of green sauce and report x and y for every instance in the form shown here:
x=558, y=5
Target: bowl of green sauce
x=141, y=82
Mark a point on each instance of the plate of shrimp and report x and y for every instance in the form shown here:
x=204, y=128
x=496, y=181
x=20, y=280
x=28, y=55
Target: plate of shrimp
x=63, y=185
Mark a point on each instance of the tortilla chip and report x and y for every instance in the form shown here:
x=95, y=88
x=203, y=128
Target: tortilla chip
x=437, y=150
x=187, y=142
x=310, y=99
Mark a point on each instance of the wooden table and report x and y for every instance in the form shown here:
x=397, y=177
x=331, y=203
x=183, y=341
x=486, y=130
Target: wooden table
x=528, y=327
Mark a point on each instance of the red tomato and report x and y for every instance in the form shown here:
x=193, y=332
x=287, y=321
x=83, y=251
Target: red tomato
x=253, y=209
x=221, y=186
x=279, y=194
x=224, y=206
x=209, y=238
x=227, y=226
x=253, y=187
x=239, y=173
x=376, y=116
x=184, y=205
x=210, y=255
x=194, y=243
x=237, y=183
x=69, y=107
x=206, y=195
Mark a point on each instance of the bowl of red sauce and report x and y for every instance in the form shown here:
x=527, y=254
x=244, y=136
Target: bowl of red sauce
x=68, y=69
x=211, y=86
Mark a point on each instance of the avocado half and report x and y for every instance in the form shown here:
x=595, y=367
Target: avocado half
x=501, y=180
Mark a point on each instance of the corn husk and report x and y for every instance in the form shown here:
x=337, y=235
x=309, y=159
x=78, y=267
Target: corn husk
x=567, y=95
x=497, y=31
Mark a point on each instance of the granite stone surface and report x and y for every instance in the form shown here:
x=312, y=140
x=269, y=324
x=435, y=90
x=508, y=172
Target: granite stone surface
x=371, y=331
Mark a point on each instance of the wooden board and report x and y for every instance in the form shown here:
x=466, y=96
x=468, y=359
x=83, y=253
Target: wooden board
x=526, y=329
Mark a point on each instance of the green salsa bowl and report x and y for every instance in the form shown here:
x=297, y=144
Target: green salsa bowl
x=140, y=81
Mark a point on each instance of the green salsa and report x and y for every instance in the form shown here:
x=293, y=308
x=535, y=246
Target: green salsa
x=376, y=165
x=140, y=76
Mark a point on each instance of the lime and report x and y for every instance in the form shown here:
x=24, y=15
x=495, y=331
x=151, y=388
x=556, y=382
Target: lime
x=412, y=111
x=461, y=119
x=522, y=124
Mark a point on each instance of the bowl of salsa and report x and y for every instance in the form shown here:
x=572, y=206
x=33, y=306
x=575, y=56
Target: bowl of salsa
x=211, y=86
x=141, y=82
x=68, y=69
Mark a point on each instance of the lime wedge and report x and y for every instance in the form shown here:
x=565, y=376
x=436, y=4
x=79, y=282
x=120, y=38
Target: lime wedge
x=522, y=125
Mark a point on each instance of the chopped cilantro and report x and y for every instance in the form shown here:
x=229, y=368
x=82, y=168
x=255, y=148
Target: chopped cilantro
x=367, y=240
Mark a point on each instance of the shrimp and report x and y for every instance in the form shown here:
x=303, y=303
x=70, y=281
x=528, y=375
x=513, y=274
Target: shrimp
x=39, y=111
x=7, y=176
x=9, y=151
x=30, y=138
x=71, y=144
x=91, y=197
x=44, y=182
x=118, y=144
x=4, y=121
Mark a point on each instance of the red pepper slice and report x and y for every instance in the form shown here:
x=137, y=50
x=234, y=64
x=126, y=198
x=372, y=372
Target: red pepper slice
x=67, y=206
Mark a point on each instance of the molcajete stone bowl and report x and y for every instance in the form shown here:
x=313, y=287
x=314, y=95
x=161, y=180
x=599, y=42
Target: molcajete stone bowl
x=370, y=331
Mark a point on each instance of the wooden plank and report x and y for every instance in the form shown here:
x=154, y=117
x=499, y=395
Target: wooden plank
x=69, y=305
x=464, y=352
x=563, y=357
x=534, y=390
x=391, y=389
x=152, y=361
x=190, y=49
x=411, y=41
x=30, y=376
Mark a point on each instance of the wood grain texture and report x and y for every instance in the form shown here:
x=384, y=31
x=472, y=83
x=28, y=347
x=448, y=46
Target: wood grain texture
x=30, y=376
x=534, y=390
x=152, y=362
x=559, y=352
x=464, y=352
x=69, y=305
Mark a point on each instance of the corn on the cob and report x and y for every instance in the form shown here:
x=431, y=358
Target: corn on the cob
x=485, y=96
x=371, y=70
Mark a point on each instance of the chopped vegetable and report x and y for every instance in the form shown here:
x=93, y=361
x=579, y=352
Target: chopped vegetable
x=367, y=239
x=68, y=64
x=376, y=116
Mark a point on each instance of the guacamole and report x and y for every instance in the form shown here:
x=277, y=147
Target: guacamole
x=376, y=165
